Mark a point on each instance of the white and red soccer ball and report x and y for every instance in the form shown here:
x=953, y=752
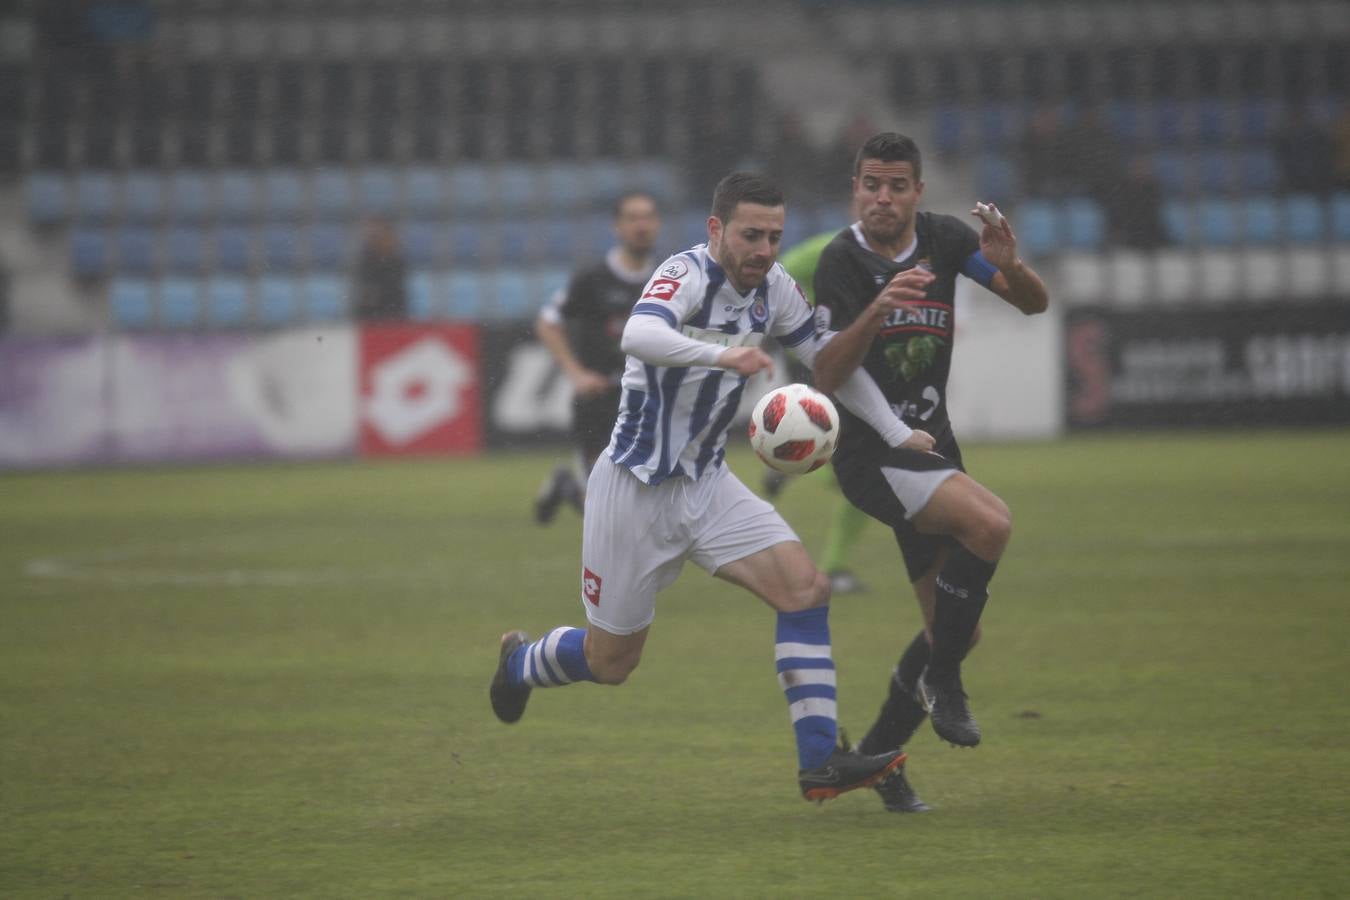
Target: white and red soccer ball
x=794, y=429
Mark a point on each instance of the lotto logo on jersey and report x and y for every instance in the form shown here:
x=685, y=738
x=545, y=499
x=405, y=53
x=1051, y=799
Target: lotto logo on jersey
x=590, y=586
x=661, y=289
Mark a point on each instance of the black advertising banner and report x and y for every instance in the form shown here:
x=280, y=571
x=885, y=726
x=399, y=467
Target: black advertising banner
x=526, y=398
x=1273, y=365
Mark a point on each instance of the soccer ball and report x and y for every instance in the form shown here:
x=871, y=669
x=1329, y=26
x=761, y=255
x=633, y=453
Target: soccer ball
x=794, y=429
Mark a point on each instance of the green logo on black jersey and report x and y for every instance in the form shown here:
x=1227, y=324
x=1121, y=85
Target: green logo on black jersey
x=914, y=356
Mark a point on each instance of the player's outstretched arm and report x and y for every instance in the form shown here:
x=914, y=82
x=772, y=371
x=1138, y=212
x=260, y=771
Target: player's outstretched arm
x=837, y=360
x=1016, y=282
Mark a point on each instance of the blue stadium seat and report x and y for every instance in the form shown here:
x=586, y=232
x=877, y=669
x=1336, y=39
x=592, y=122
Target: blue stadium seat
x=1340, y=216
x=548, y=280
x=283, y=192
x=95, y=196
x=189, y=196
x=1124, y=118
x=233, y=248
x=143, y=196
x=328, y=248
x=324, y=297
x=996, y=179
x=597, y=233
x=1258, y=169
x=1214, y=118
x=281, y=247
x=90, y=255
x=236, y=195
x=564, y=186
x=1256, y=118
x=1000, y=125
x=136, y=247
x=518, y=188
x=332, y=193
x=276, y=299
x=184, y=249
x=1219, y=222
x=179, y=302
x=558, y=239
x=377, y=191
x=226, y=302
x=690, y=228
x=469, y=243
x=131, y=302
x=1082, y=223
x=48, y=200
x=1170, y=170
x=421, y=243
x=425, y=191
x=1038, y=226
x=511, y=296
x=1173, y=122
x=1218, y=171
x=472, y=189
x=607, y=180
x=465, y=293
x=1176, y=217
x=1304, y=221
x=1260, y=220
x=515, y=241
x=423, y=302
x=659, y=178
x=948, y=129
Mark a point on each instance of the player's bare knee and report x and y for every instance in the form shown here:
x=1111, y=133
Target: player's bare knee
x=613, y=669
x=987, y=535
x=808, y=594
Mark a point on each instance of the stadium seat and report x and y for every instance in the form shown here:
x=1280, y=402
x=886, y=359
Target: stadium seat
x=949, y=129
x=472, y=189
x=1038, y=226
x=1082, y=223
x=511, y=297
x=90, y=255
x=1307, y=273
x=332, y=193
x=1218, y=222
x=1258, y=170
x=1130, y=278
x=1124, y=118
x=1219, y=171
x=515, y=242
x=608, y=181
x=1262, y=275
x=143, y=196
x=1176, y=217
x=328, y=247
x=281, y=247
x=48, y=200
x=276, y=299
x=1256, y=118
x=658, y=177
x=1340, y=216
x=465, y=293
x=558, y=239
x=189, y=196
x=184, y=249
x=469, y=243
x=1260, y=220
x=323, y=297
x=377, y=191
x=131, y=302
x=597, y=233
x=997, y=179
x=546, y=281
x=232, y=248
x=283, y=193
x=1214, y=118
x=236, y=195
x=1340, y=264
x=565, y=187
x=226, y=302
x=1174, y=276
x=1081, y=278
x=1218, y=276
x=424, y=191
x=999, y=125
x=136, y=246
x=95, y=196
x=421, y=242
x=423, y=301
x=1173, y=122
x=1304, y=221
x=179, y=302
x=519, y=189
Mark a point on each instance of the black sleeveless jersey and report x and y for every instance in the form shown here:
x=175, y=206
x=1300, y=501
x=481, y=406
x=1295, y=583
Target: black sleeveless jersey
x=912, y=353
x=594, y=311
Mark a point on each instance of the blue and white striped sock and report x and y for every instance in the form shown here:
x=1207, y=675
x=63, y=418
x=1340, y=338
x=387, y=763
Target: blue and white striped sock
x=806, y=674
x=555, y=659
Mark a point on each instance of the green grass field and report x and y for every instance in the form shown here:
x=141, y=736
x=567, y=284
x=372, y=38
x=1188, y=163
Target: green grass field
x=271, y=682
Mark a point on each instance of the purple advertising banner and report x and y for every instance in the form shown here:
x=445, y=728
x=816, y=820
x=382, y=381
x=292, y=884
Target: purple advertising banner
x=176, y=398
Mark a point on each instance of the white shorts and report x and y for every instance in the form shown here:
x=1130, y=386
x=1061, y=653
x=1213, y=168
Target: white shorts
x=636, y=537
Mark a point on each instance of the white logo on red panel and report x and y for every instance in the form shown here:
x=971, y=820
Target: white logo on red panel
x=590, y=586
x=661, y=289
x=416, y=390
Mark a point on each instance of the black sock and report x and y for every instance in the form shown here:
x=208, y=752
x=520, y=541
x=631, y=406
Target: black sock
x=900, y=715
x=962, y=590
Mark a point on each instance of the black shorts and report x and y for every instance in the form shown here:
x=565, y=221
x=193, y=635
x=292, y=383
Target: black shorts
x=593, y=423
x=866, y=487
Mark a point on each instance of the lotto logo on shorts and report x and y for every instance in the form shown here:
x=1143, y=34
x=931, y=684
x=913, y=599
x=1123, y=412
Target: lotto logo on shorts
x=590, y=586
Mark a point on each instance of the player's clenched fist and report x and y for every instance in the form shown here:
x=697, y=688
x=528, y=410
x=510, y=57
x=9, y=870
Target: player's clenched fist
x=905, y=288
x=745, y=360
x=919, y=440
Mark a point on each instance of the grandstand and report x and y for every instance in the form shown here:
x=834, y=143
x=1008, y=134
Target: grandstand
x=201, y=164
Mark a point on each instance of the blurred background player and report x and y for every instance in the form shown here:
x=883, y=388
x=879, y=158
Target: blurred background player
x=661, y=492
x=887, y=284
x=847, y=521
x=581, y=327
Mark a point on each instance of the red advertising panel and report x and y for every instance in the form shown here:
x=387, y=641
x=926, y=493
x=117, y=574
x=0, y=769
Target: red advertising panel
x=420, y=390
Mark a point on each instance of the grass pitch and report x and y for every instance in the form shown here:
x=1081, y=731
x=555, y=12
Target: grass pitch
x=271, y=682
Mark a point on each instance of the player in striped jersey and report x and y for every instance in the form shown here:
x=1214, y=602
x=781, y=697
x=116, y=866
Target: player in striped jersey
x=661, y=493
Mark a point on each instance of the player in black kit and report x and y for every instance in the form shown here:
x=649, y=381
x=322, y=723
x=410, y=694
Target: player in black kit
x=887, y=286
x=582, y=327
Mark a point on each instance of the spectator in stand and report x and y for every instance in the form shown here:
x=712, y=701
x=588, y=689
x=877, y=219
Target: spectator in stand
x=379, y=291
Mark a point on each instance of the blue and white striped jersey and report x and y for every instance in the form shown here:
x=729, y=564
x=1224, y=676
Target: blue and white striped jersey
x=673, y=420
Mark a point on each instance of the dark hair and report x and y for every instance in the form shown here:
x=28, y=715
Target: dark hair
x=632, y=195
x=889, y=147
x=744, y=187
